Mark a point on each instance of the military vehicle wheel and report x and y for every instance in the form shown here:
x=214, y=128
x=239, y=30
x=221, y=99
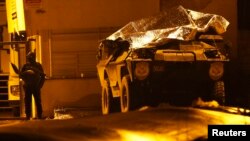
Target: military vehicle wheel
x=108, y=102
x=219, y=91
x=126, y=97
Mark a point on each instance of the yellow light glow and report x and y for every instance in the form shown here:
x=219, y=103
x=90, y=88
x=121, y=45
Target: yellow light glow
x=15, y=16
x=142, y=136
x=227, y=118
x=20, y=14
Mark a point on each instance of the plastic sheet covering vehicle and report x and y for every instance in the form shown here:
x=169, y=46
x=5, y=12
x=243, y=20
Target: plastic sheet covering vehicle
x=176, y=55
x=177, y=23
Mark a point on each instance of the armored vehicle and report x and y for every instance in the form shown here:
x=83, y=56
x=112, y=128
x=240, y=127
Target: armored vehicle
x=177, y=55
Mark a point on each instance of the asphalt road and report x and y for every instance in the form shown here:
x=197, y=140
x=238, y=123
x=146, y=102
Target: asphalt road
x=164, y=123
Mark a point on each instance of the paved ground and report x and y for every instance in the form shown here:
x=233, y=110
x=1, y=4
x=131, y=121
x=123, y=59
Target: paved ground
x=164, y=123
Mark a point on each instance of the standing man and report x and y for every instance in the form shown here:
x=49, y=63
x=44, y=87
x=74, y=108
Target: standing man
x=33, y=76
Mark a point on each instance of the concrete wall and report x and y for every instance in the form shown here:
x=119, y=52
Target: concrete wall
x=59, y=93
x=76, y=15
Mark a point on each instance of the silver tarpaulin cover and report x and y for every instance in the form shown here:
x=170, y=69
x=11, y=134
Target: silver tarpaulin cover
x=176, y=23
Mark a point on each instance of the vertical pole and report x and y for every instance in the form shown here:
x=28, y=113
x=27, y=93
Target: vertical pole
x=21, y=61
x=32, y=47
x=22, y=104
x=33, y=108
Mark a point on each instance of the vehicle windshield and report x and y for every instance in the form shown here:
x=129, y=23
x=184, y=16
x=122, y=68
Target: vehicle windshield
x=177, y=23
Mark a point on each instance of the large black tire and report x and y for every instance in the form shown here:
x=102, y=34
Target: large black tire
x=219, y=92
x=127, y=99
x=109, y=104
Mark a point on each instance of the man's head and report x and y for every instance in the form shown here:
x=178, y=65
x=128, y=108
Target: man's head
x=31, y=57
